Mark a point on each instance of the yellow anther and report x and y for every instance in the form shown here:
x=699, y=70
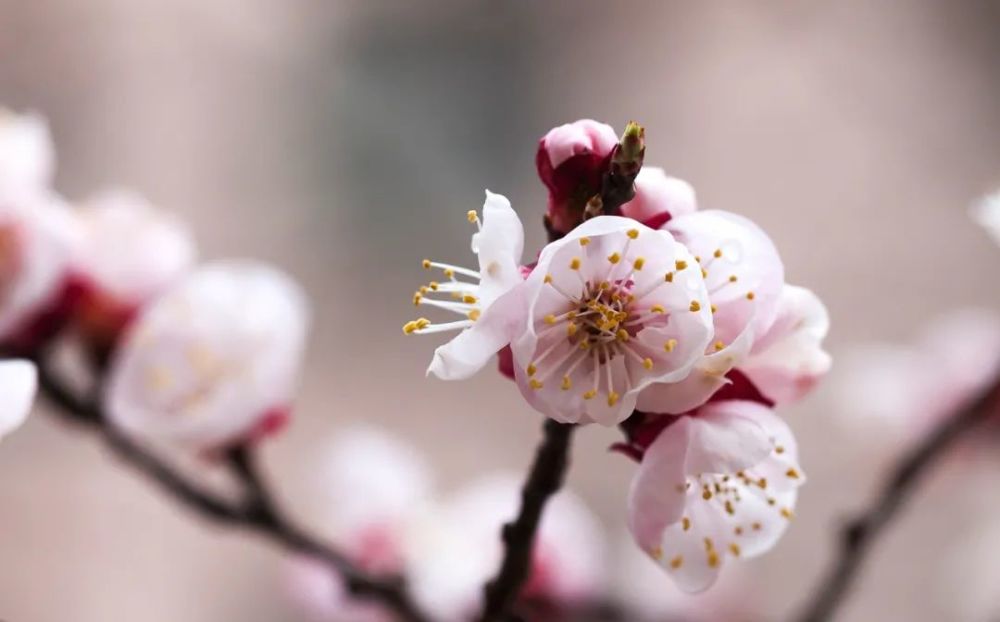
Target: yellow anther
x=639, y=263
x=657, y=309
x=729, y=508
x=733, y=278
x=669, y=277
x=656, y=553
x=670, y=345
x=697, y=258
x=605, y=285
x=750, y=296
x=778, y=449
x=756, y=526
x=719, y=346
x=589, y=395
x=571, y=329
x=416, y=299
x=695, y=306
x=474, y=314
x=685, y=523
x=423, y=322
x=449, y=273
x=738, y=530
x=714, y=308
x=585, y=344
x=734, y=549
x=567, y=384
x=680, y=264
x=632, y=233
x=472, y=216
x=647, y=363
x=717, y=253
x=409, y=328
x=584, y=241
x=792, y=473
x=535, y=383
x=531, y=369
x=613, y=398
x=433, y=285
x=426, y=264
x=614, y=257
x=704, y=273
x=706, y=494
x=550, y=319
x=622, y=335
x=574, y=264
x=469, y=299
x=713, y=559
x=424, y=289
x=787, y=513
x=547, y=279
x=676, y=562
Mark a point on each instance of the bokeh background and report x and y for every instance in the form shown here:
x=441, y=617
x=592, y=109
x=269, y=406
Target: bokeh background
x=344, y=141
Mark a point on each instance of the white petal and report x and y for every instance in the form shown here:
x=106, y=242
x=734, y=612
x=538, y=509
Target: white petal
x=655, y=501
x=656, y=192
x=18, y=385
x=473, y=348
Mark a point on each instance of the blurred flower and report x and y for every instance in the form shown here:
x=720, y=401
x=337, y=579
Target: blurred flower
x=214, y=360
x=27, y=159
x=38, y=239
x=613, y=307
x=987, y=214
x=131, y=252
x=18, y=384
x=896, y=393
x=571, y=162
x=484, y=304
x=456, y=549
x=639, y=584
x=722, y=482
x=659, y=197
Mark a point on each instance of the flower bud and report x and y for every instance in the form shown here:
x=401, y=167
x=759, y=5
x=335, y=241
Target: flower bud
x=572, y=160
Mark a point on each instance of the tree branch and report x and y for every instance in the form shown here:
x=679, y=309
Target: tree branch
x=859, y=535
x=257, y=513
x=544, y=480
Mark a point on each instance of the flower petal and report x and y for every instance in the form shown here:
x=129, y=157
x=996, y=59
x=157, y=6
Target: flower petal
x=499, y=246
x=18, y=385
x=656, y=193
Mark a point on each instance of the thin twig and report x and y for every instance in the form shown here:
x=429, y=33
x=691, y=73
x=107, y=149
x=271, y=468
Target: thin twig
x=257, y=513
x=860, y=534
x=544, y=480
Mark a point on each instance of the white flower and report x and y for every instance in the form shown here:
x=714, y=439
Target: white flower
x=38, y=239
x=612, y=308
x=212, y=359
x=479, y=296
x=18, y=385
x=27, y=158
x=131, y=251
x=721, y=483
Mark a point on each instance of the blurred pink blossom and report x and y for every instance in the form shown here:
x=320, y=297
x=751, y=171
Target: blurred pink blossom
x=18, y=385
x=27, y=156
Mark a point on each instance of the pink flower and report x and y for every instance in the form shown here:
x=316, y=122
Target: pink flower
x=131, y=252
x=721, y=483
x=18, y=385
x=27, y=159
x=481, y=297
x=214, y=360
x=659, y=197
x=571, y=162
x=612, y=308
x=38, y=239
x=447, y=578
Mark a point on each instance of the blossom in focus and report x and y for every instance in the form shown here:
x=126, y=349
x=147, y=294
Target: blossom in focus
x=130, y=253
x=456, y=549
x=987, y=214
x=897, y=392
x=38, y=240
x=612, y=308
x=638, y=583
x=571, y=161
x=27, y=159
x=212, y=361
x=481, y=297
x=18, y=385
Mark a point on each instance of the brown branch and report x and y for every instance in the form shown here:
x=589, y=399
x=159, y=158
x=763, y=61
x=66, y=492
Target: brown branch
x=544, y=480
x=257, y=513
x=860, y=534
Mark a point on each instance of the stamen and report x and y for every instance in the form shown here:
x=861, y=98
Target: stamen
x=574, y=264
x=695, y=306
x=638, y=263
x=670, y=345
x=614, y=257
x=454, y=269
x=680, y=264
x=584, y=241
x=750, y=296
x=632, y=233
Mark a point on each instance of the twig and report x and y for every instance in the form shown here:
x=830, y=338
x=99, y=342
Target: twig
x=859, y=535
x=257, y=513
x=544, y=480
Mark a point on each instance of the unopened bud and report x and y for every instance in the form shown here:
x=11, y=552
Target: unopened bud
x=628, y=155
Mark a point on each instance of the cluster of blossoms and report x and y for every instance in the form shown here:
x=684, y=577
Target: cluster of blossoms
x=674, y=323
x=203, y=355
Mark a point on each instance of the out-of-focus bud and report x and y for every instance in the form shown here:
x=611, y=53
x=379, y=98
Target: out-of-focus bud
x=213, y=361
x=18, y=384
x=659, y=197
x=130, y=253
x=572, y=160
x=38, y=239
x=27, y=159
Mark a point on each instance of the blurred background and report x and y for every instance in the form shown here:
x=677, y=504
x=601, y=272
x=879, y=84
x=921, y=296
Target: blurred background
x=344, y=141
